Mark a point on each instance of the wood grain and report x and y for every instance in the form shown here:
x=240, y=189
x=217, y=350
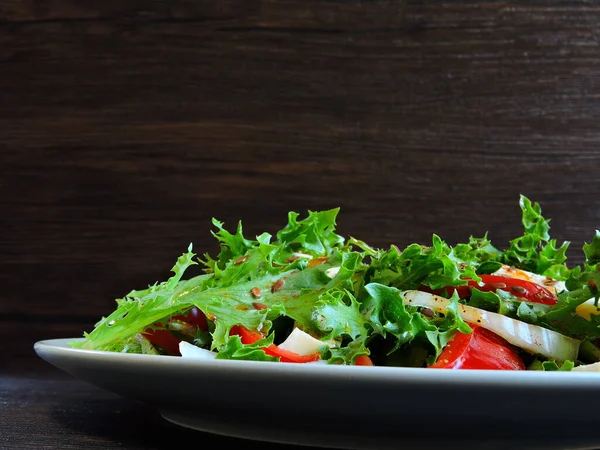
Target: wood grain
x=17, y=338
x=61, y=412
x=126, y=126
x=311, y=14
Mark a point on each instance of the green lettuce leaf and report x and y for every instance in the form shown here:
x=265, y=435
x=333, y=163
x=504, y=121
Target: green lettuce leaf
x=234, y=349
x=534, y=251
x=551, y=366
x=387, y=315
x=592, y=250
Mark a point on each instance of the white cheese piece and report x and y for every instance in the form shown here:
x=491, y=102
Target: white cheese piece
x=188, y=350
x=302, y=343
x=595, y=367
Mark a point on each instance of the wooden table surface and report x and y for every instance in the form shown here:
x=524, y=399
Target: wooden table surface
x=60, y=413
x=125, y=126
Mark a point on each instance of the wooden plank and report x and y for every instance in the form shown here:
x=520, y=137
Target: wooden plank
x=121, y=139
x=18, y=335
x=62, y=412
x=242, y=12
x=333, y=15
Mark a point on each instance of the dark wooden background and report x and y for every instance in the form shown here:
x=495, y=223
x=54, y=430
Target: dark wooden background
x=126, y=125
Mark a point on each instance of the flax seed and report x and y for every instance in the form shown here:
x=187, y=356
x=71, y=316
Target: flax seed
x=427, y=312
x=316, y=261
x=259, y=306
x=518, y=289
x=241, y=259
x=278, y=285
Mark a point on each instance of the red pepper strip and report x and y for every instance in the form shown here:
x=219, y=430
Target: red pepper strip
x=249, y=337
x=165, y=339
x=480, y=349
x=523, y=289
x=363, y=360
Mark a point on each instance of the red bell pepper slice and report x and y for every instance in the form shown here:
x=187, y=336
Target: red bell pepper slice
x=249, y=337
x=480, y=349
x=363, y=360
x=523, y=289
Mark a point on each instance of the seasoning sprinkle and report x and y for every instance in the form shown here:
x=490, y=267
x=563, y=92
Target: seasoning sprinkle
x=241, y=259
x=518, y=289
x=427, y=312
x=316, y=261
x=259, y=306
x=277, y=285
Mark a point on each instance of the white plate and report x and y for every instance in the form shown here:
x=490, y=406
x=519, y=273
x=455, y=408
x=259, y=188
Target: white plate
x=352, y=407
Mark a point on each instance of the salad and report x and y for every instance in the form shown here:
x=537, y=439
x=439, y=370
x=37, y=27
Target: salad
x=308, y=295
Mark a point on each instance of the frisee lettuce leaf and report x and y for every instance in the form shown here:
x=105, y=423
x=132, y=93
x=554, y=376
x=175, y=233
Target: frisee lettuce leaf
x=389, y=316
x=234, y=349
x=534, y=251
x=592, y=251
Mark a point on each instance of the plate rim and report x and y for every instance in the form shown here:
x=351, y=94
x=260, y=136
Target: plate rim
x=46, y=348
